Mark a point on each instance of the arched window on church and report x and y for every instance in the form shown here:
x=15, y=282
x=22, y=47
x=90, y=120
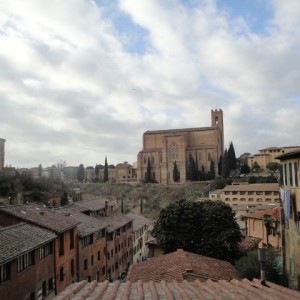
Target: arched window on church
x=216, y=121
x=209, y=156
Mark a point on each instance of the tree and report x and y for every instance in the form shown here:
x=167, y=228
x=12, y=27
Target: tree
x=176, y=175
x=40, y=168
x=207, y=228
x=231, y=157
x=249, y=267
x=245, y=169
x=105, y=171
x=80, y=174
x=192, y=169
x=225, y=165
x=255, y=167
x=212, y=174
x=97, y=169
x=220, y=165
x=148, y=177
x=273, y=167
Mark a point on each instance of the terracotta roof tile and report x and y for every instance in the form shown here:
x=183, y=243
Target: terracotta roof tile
x=221, y=289
x=178, y=265
x=272, y=187
x=20, y=238
x=138, y=221
x=92, y=205
x=87, y=225
x=41, y=216
x=114, y=221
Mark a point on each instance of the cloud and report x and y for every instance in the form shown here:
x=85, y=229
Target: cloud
x=81, y=80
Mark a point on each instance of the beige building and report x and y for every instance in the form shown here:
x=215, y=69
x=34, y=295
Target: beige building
x=2, y=142
x=250, y=194
x=164, y=147
x=268, y=155
x=290, y=197
x=140, y=237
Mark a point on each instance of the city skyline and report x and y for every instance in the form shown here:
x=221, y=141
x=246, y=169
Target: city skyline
x=83, y=80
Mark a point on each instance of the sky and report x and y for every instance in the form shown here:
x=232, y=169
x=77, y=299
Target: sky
x=81, y=80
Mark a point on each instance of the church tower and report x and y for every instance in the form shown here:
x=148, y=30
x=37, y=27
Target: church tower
x=2, y=141
x=217, y=122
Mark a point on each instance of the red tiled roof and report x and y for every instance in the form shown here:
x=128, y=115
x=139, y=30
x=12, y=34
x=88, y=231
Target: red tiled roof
x=41, y=216
x=221, y=289
x=274, y=212
x=178, y=264
x=249, y=243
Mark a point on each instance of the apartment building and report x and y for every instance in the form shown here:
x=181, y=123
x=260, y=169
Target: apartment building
x=91, y=245
x=65, y=244
x=290, y=197
x=249, y=194
x=268, y=155
x=26, y=262
x=119, y=244
x=140, y=237
x=265, y=225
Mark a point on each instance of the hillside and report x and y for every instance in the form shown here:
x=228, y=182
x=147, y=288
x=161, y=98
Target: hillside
x=152, y=197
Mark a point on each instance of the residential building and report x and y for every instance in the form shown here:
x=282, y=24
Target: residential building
x=119, y=245
x=181, y=265
x=249, y=194
x=230, y=290
x=125, y=172
x=265, y=225
x=95, y=207
x=268, y=155
x=162, y=148
x=91, y=245
x=290, y=197
x=26, y=262
x=215, y=195
x=65, y=228
x=89, y=174
x=140, y=237
x=2, y=154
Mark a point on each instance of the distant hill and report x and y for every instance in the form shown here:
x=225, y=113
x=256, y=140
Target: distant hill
x=154, y=196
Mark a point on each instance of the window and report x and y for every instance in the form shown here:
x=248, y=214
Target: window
x=88, y=240
x=98, y=255
x=103, y=270
x=50, y=284
x=4, y=272
x=25, y=261
x=61, y=245
x=72, y=239
x=46, y=250
x=61, y=274
x=44, y=289
x=85, y=263
x=92, y=260
x=72, y=267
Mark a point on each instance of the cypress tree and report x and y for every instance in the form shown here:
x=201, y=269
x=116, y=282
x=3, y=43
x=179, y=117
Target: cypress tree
x=105, y=170
x=225, y=165
x=231, y=157
x=175, y=172
x=148, y=172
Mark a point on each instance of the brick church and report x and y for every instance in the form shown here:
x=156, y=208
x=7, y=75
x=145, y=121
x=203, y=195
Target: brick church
x=164, y=147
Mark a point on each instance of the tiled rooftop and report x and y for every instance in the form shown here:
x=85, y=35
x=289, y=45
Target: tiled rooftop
x=138, y=221
x=249, y=243
x=274, y=213
x=17, y=239
x=179, y=264
x=92, y=205
x=268, y=187
x=41, y=216
x=235, y=289
x=87, y=225
x=115, y=221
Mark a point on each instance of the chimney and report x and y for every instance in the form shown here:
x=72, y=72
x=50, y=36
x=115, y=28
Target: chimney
x=106, y=209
